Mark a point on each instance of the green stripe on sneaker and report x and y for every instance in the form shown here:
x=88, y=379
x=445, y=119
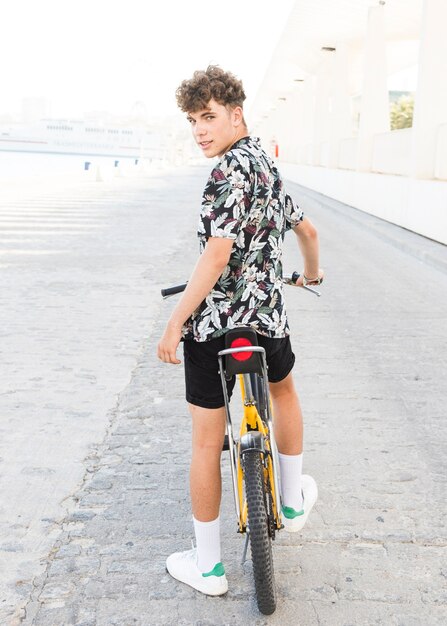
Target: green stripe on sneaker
x=218, y=570
x=291, y=513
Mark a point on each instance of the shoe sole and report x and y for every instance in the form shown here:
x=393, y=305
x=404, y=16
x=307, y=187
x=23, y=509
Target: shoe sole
x=203, y=590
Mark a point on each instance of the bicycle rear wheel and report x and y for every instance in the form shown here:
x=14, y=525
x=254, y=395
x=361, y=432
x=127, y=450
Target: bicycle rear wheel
x=260, y=541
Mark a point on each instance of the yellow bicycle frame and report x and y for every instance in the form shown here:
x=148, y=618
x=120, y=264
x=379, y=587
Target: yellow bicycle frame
x=264, y=442
x=251, y=420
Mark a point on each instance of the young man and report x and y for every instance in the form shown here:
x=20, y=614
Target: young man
x=245, y=213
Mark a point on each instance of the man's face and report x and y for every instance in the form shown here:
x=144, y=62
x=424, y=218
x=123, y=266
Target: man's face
x=216, y=128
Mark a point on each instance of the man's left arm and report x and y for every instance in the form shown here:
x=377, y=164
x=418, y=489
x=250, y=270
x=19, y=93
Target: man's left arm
x=207, y=271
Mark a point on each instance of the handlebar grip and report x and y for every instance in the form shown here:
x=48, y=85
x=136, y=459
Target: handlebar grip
x=170, y=291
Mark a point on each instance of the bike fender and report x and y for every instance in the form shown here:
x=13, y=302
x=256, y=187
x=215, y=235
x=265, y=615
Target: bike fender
x=251, y=441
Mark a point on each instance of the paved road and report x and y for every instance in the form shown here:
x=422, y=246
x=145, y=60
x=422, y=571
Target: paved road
x=78, y=294
x=371, y=358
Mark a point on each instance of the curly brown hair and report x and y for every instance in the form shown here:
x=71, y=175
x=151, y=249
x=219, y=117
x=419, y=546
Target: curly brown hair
x=213, y=83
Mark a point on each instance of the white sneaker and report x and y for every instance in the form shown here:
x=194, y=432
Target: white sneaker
x=183, y=567
x=294, y=521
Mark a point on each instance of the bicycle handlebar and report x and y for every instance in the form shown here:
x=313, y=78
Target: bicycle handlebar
x=288, y=279
x=171, y=291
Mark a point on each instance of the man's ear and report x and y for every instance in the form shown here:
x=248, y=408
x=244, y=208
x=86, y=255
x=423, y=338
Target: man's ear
x=238, y=116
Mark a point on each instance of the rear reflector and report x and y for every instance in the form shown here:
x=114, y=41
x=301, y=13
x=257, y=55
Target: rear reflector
x=241, y=342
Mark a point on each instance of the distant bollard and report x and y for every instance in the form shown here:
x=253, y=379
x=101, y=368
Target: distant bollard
x=86, y=165
x=117, y=170
x=136, y=161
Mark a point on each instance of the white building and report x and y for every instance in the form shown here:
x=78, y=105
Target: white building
x=324, y=107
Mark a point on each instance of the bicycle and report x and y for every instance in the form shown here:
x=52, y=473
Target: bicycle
x=253, y=456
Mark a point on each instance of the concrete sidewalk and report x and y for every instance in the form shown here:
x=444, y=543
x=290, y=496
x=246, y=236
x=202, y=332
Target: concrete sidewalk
x=79, y=266
x=370, y=370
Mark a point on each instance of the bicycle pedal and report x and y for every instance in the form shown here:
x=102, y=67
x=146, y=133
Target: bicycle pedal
x=226, y=444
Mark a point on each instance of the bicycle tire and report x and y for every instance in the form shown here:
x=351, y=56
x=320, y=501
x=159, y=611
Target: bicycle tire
x=260, y=540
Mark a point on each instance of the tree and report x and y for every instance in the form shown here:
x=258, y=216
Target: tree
x=401, y=112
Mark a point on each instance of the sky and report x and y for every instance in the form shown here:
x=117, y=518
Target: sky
x=89, y=55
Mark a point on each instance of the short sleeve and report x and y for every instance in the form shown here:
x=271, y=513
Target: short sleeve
x=293, y=214
x=224, y=201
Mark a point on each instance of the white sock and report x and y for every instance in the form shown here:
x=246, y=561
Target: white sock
x=208, y=544
x=291, y=467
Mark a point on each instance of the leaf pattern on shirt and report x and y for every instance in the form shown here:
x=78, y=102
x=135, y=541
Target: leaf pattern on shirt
x=244, y=200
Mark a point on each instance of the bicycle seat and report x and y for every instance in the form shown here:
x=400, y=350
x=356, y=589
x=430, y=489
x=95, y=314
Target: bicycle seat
x=241, y=362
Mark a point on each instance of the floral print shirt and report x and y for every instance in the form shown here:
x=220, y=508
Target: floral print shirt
x=244, y=199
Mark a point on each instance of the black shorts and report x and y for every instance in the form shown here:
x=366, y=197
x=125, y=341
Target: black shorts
x=202, y=378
